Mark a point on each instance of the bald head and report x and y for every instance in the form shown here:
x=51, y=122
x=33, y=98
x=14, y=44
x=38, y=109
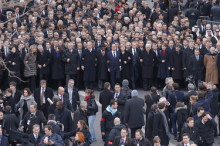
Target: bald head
x=61, y=90
x=117, y=121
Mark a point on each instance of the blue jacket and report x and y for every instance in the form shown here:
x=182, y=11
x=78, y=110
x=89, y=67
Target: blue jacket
x=4, y=141
x=174, y=97
x=204, y=102
x=55, y=138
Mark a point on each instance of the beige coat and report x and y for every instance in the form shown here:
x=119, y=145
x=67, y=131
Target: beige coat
x=210, y=63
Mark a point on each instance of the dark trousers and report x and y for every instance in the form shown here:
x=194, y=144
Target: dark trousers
x=173, y=122
x=32, y=83
x=147, y=83
x=43, y=77
x=88, y=85
x=105, y=137
x=133, y=130
x=114, y=77
x=134, y=77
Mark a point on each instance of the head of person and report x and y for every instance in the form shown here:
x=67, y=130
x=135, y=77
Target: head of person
x=26, y=92
x=12, y=86
x=190, y=122
x=59, y=105
x=8, y=92
x=80, y=137
x=89, y=92
x=71, y=83
x=51, y=117
x=153, y=90
x=117, y=88
x=175, y=86
x=114, y=104
x=36, y=129
x=193, y=99
x=139, y=134
x=154, y=107
x=48, y=130
x=196, y=52
x=205, y=116
x=83, y=105
x=191, y=87
x=117, y=121
x=43, y=83
x=107, y=85
x=186, y=138
x=200, y=111
x=156, y=141
x=162, y=106
x=82, y=125
x=212, y=50
x=169, y=81
x=134, y=93
x=33, y=108
x=125, y=83
x=61, y=90
x=124, y=132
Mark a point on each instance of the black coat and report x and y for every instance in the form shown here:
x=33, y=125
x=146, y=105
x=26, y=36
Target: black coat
x=64, y=117
x=159, y=129
x=206, y=131
x=9, y=101
x=102, y=65
x=89, y=61
x=75, y=97
x=33, y=140
x=172, y=11
x=215, y=13
x=193, y=16
x=187, y=53
x=92, y=107
x=176, y=63
x=17, y=96
x=125, y=65
x=79, y=114
x=122, y=98
x=105, y=97
x=57, y=65
x=73, y=64
x=142, y=142
x=148, y=63
x=181, y=116
x=117, y=140
x=151, y=99
x=163, y=71
x=47, y=94
x=206, y=8
x=193, y=133
x=133, y=111
x=214, y=103
x=107, y=120
x=66, y=102
x=43, y=58
x=38, y=118
x=116, y=131
x=11, y=122
x=150, y=123
x=196, y=67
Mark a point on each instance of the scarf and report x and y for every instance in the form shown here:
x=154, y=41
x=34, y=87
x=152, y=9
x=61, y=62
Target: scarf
x=165, y=124
x=212, y=54
x=112, y=111
x=27, y=97
x=87, y=98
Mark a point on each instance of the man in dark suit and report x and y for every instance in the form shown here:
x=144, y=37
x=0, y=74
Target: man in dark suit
x=106, y=96
x=121, y=98
x=63, y=115
x=64, y=98
x=35, y=137
x=43, y=62
x=123, y=139
x=41, y=95
x=3, y=139
x=196, y=66
x=134, y=111
x=16, y=93
x=73, y=94
x=185, y=140
x=114, y=65
x=134, y=65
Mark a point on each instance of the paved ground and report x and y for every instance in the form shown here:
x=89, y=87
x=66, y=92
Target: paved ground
x=99, y=141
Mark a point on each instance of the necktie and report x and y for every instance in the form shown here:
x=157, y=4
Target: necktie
x=114, y=54
x=42, y=97
x=103, y=53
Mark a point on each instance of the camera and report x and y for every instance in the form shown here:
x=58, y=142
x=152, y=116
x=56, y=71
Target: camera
x=190, y=79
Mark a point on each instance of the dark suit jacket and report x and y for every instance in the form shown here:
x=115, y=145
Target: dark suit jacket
x=47, y=94
x=17, y=96
x=33, y=140
x=105, y=97
x=4, y=141
x=122, y=98
x=75, y=97
x=117, y=140
x=196, y=67
x=66, y=102
x=114, y=63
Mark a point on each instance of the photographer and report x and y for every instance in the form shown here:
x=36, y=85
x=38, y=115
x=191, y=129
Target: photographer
x=50, y=138
x=56, y=126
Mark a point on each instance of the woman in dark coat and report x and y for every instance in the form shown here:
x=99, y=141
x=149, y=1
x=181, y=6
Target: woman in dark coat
x=163, y=63
x=13, y=63
x=57, y=67
x=176, y=64
x=147, y=59
x=125, y=63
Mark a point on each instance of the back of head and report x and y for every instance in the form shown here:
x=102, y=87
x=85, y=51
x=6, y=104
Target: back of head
x=125, y=83
x=134, y=93
x=191, y=86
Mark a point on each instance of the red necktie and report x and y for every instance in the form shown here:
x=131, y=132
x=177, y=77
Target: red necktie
x=103, y=53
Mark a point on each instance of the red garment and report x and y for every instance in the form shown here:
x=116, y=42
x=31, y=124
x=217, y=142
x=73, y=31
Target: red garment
x=117, y=8
x=163, y=52
x=87, y=98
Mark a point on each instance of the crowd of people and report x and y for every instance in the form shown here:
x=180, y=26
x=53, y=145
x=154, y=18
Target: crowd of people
x=72, y=45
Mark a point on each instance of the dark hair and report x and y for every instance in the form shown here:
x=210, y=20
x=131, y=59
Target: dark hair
x=125, y=129
x=12, y=84
x=205, y=113
x=84, y=125
x=51, y=117
x=161, y=105
x=112, y=102
x=153, y=89
x=176, y=86
x=89, y=91
x=28, y=91
x=200, y=109
x=117, y=84
x=49, y=127
x=140, y=131
x=185, y=134
x=179, y=104
x=9, y=90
